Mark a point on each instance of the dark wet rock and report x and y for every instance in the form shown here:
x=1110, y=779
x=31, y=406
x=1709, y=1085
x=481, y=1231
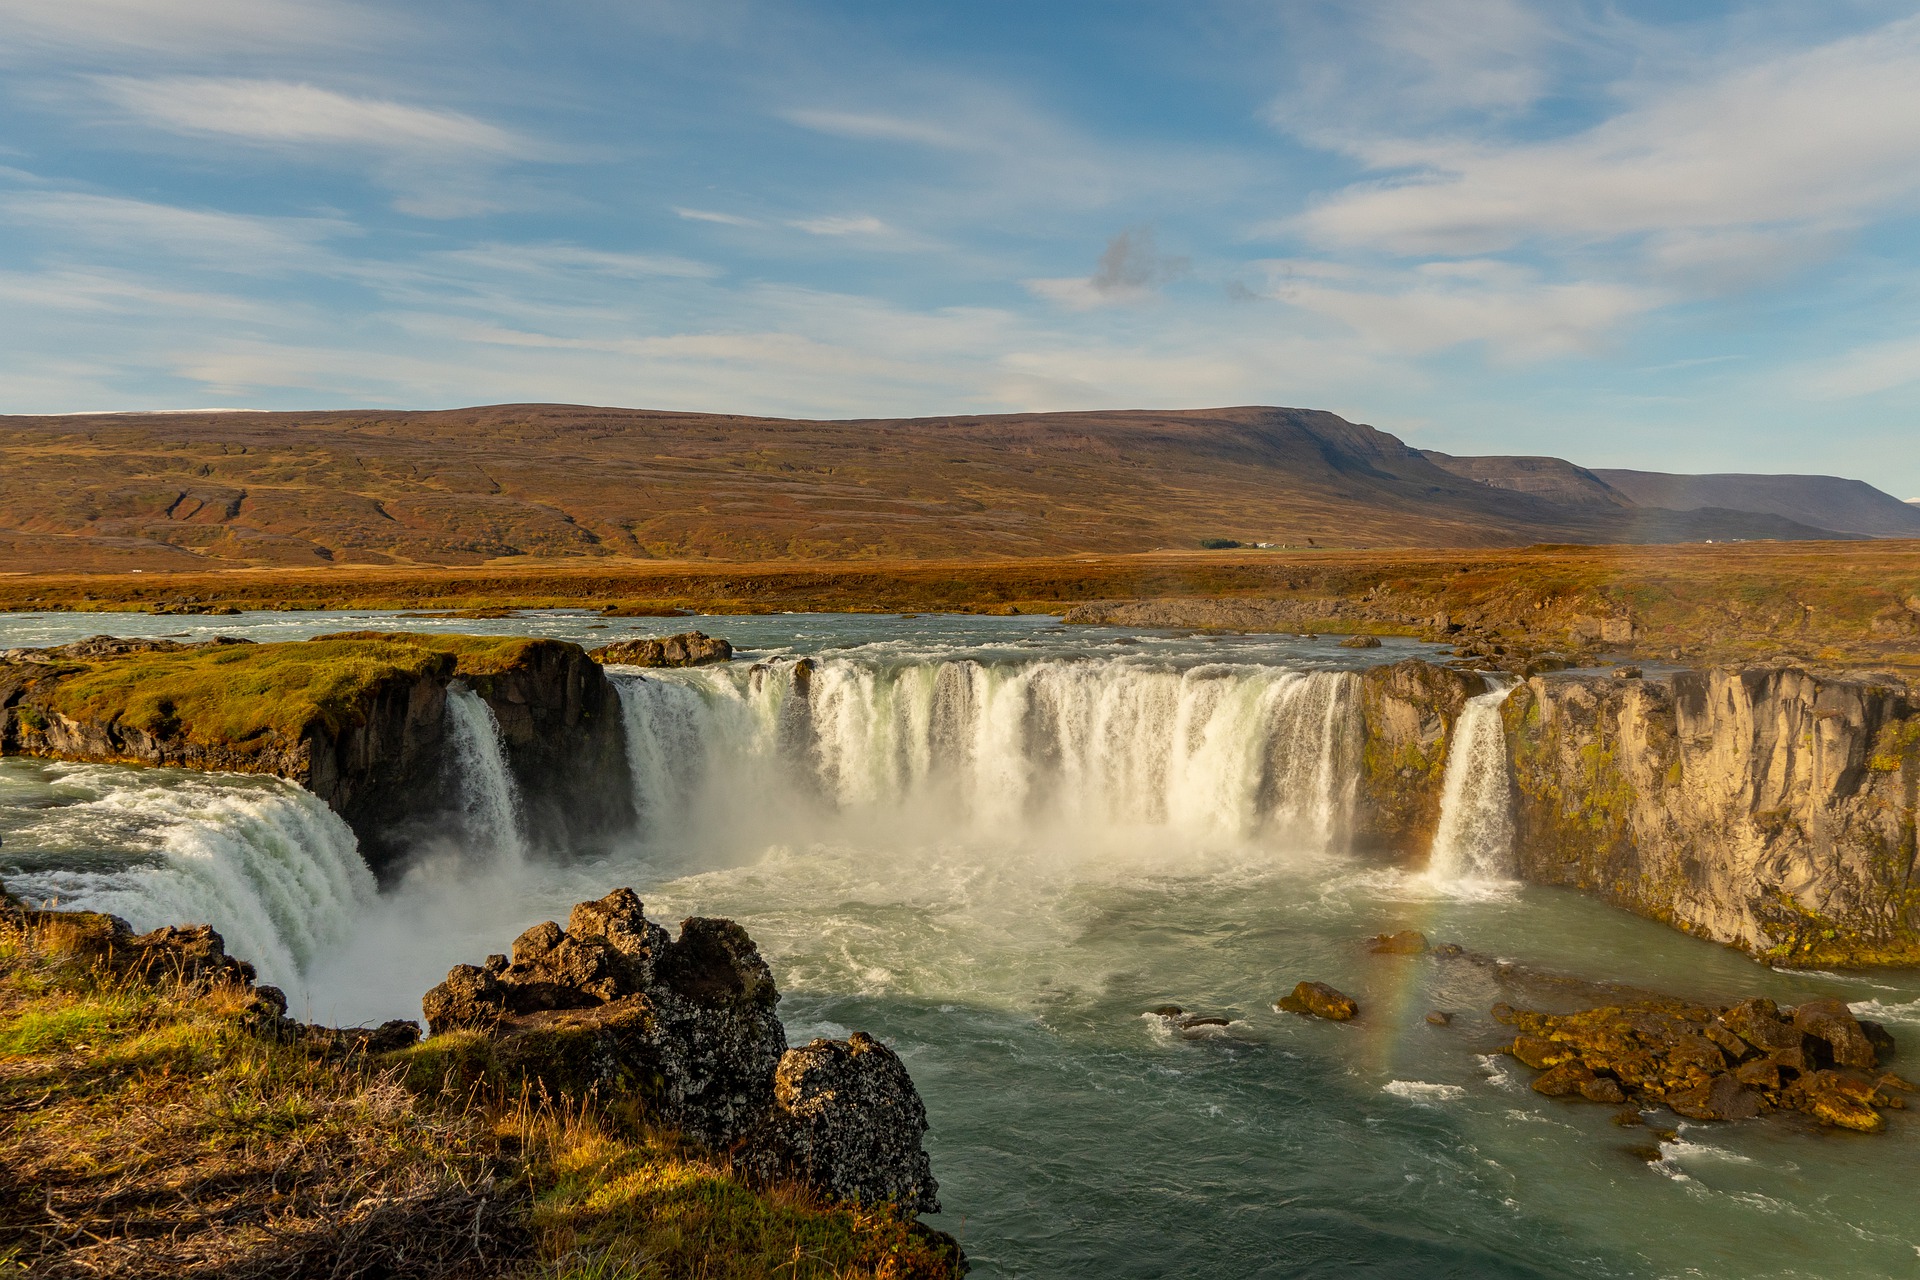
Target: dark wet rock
x=1832, y=1023
x=1721, y=1097
x=690, y=649
x=1318, y=1000
x=1880, y=1038
x=1166, y=1011
x=612, y=1005
x=847, y=1120
x=1628, y=1118
x=1194, y=1022
x=1439, y=1018
x=1360, y=642
x=1407, y=942
x=1732, y=1063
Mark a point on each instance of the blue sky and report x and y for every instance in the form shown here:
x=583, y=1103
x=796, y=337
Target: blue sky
x=1665, y=235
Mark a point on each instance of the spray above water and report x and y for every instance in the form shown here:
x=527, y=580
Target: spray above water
x=1474, y=840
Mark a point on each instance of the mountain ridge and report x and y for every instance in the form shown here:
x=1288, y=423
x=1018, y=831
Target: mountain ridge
x=539, y=482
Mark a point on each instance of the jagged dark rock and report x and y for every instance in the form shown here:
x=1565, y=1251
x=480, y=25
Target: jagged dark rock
x=612, y=1005
x=847, y=1120
x=689, y=649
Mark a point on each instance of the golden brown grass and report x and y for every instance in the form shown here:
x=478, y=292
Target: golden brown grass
x=234, y=694
x=147, y=1130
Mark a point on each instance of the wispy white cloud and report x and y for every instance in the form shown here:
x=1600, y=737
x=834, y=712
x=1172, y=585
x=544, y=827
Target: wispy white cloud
x=183, y=27
x=709, y=215
x=205, y=238
x=883, y=128
x=1864, y=371
x=564, y=259
x=280, y=113
x=1817, y=138
x=858, y=224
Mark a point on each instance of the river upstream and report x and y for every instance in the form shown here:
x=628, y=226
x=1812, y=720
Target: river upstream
x=995, y=842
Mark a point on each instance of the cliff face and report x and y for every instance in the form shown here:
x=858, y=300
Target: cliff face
x=1408, y=713
x=374, y=747
x=1767, y=808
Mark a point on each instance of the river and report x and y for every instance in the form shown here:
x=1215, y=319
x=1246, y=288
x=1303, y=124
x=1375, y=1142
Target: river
x=996, y=842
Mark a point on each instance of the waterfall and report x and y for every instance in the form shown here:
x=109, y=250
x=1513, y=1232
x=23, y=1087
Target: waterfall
x=1228, y=751
x=489, y=798
x=1475, y=835
x=264, y=862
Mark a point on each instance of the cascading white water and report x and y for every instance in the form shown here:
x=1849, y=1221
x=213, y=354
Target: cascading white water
x=1474, y=840
x=488, y=796
x=1232, y=751
x=265, y=862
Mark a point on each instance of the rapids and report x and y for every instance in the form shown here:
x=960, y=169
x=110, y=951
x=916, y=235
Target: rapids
x=995, y=842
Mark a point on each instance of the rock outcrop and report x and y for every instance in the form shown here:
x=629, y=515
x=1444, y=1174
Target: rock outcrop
x=382, y=759
x=1767, y=807
x=1705, y=1063
x=1408, y=712
x=1318, y=1000
x=689, y=649
x=612, y=1006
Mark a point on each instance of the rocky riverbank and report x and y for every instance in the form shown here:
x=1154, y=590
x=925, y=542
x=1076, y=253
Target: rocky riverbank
x=609, y=1097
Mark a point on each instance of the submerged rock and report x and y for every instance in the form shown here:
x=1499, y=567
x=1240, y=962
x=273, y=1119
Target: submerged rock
x=1407, y=942
x=1729, y=1063
x=689, y=649
x=1318, y=1000
x=611, y=1005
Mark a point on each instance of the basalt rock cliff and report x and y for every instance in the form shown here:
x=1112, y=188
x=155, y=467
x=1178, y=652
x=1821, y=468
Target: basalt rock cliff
x=1770, y=808
x=374, y=743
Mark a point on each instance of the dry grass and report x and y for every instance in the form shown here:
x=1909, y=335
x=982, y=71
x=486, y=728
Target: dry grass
x=233, y=694
x=146, y=1129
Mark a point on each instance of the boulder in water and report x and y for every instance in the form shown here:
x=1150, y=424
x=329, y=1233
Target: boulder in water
x=689, y=649
x=1439, y=1018
x=1360, y=642
x=1318, y=1000
x=1407, y=942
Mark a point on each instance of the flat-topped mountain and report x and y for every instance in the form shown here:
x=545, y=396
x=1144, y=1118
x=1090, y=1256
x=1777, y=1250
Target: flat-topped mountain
x=192, y=490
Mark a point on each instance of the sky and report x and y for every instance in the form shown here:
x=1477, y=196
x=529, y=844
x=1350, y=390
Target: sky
x=1665, y=235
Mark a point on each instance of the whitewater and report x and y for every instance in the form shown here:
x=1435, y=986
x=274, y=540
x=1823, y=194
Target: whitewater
x=995, y=842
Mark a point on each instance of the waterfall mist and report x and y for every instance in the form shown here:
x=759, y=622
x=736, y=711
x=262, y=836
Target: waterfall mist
x=1474, y=840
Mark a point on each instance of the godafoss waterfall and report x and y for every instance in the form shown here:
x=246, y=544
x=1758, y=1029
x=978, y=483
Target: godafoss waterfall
x=999, y=843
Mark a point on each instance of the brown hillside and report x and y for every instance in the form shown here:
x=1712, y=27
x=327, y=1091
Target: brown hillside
x=467, y=486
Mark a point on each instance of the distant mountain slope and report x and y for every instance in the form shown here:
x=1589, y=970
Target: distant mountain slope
x=1554, y=479
x=1851, y=506
x=470, y=485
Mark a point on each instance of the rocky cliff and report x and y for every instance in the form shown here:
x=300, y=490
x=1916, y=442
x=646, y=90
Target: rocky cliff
x=358, y=718
x=1407, y=714
x=1768, y=807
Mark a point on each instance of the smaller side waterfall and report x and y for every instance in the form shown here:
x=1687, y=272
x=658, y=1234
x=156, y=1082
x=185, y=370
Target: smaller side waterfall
x=489, y=798
x=1475, y=837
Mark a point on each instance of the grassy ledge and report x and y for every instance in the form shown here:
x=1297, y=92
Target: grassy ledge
x=234, y=694
x=147, y=1129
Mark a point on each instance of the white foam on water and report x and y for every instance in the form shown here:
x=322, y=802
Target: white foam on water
x=1423, y=1092
x=265, y=862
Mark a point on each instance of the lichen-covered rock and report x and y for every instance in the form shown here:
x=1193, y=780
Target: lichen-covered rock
x=848, y=1121
x=1732, y=1063
x=611, y=1005
x=1407, y=942
x=1318, y=1000
x=689, y=649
